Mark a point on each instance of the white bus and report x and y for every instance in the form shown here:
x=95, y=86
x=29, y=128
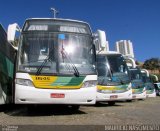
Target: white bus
x=114, y=82
x=157, y=88
x=150, y=89
x=55, y=62
x=113, y=78
x=138, y=86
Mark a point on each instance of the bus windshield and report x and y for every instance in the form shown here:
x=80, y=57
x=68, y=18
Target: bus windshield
x=119, y=69
x=145, y=78
x=62, y=50
x=135, y=74
x=112, y=70
x=149, y=86
x=104, y=75
x=136, y=78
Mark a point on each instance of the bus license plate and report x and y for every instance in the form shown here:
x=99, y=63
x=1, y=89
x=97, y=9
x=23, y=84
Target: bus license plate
x=113, y=97
x=57, y=95
x=134, y=97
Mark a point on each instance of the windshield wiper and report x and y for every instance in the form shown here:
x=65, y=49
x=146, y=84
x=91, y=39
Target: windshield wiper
x=42, y=65
x=64, y=55
x=44, y=62
x=105, y=81
x=110, y=69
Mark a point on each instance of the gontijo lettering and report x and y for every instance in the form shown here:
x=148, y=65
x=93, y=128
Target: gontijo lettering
x=42, y=78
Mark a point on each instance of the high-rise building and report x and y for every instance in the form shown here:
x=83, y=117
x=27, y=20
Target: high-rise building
x=125, y=47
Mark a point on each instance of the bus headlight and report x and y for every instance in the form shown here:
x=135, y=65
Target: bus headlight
x=129, y=88
x=89, y=84
x=24, y=82
x=144, y=89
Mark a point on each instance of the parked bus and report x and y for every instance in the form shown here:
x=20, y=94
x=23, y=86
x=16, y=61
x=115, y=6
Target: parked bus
x=150, y=89
x=157, y=88
x=113, y=75
x=7, y=55
x=55, y=63
x=113, y=78
x=138, y=86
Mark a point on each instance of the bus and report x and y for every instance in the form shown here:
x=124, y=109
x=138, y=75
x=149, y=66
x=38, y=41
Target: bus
x=55, y=62
x=7, y=56
x=157, y=88
x=114, y=82
x=138, y=86
x=150, y=89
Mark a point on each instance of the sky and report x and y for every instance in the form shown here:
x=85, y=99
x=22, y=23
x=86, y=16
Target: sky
x=135, y=20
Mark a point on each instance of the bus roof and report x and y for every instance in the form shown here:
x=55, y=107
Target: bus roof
x=58, y=19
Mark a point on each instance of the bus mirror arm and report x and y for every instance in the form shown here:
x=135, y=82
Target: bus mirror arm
x=100, y=40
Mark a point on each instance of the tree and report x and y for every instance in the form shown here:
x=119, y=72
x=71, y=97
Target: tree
x=152, y=64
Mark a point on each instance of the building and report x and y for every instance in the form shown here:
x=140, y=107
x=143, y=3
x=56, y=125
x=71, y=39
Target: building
x=125, y=47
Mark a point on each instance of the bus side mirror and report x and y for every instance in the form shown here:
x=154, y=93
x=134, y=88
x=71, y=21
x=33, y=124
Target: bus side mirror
x=11, y=33
x=145, y=71
x=102, y=38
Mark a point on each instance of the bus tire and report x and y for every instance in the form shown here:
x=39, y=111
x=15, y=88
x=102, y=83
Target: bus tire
x=31, y=108
x=111, y=103
x=97, y=103
x=75, y=107
x=129, y=100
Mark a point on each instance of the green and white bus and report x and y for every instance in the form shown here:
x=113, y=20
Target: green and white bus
x=138, y=86
x=114, y=82
x=7, y=56
x=113, y=78
x=55, y=62
x=150, y=89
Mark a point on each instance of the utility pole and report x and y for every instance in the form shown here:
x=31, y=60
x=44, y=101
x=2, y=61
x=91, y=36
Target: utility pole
x=55, y=12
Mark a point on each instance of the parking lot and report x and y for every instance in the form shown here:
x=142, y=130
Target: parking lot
x=138, y=112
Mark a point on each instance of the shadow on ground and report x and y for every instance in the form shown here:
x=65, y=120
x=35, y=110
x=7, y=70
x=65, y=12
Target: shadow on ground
x=105, y=104
x=39, y=110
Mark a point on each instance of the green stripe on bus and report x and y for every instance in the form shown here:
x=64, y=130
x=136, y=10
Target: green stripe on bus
x=68, y=81
x=6, y=66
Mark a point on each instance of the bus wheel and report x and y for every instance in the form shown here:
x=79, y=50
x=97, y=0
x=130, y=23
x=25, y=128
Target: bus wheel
x=141, y=99
x=129, y=100
x=31, y=107
x=98, y=103
x=74, y=107
x=111, y=103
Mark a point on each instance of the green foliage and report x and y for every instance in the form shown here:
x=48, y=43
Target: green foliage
x=153, y=78
x=152, y=64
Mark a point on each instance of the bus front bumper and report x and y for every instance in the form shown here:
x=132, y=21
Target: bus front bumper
x=152, y=95
x=139, y=96
x=32, y=95
x=114, y=96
